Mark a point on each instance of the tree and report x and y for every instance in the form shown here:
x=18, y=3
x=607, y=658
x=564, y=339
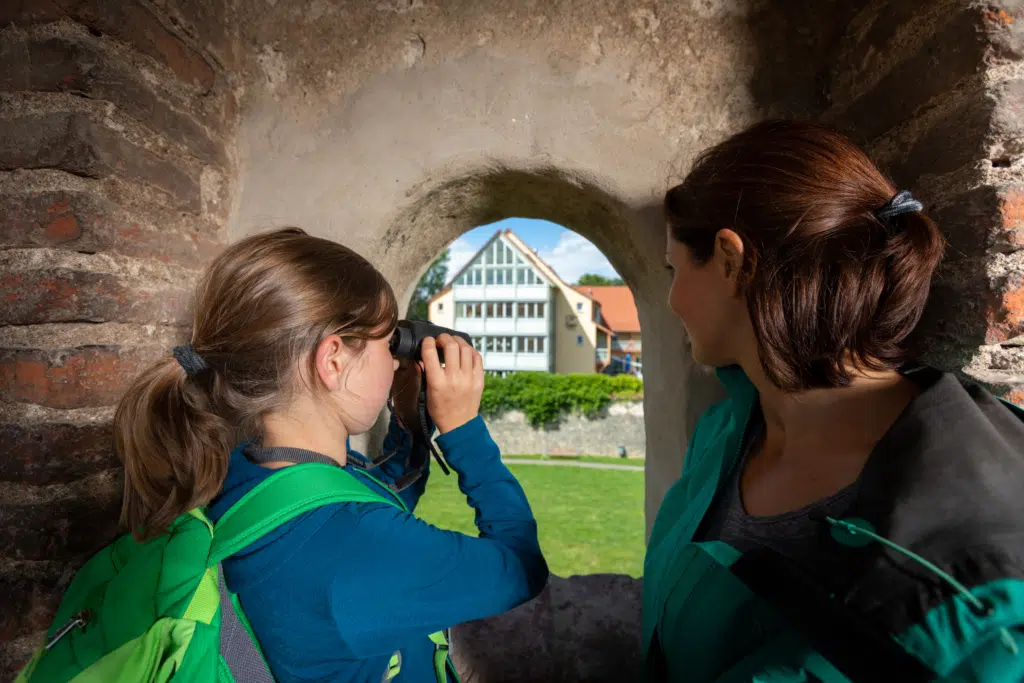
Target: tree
x=431, y=283
x=595, y=280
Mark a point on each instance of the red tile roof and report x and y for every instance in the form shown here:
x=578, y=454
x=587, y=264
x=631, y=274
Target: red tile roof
x=617, y=306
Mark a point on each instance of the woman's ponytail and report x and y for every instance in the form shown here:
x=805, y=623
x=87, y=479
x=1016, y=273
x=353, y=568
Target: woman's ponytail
x=174, y=448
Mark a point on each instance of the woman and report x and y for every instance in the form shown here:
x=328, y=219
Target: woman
x=843, y=514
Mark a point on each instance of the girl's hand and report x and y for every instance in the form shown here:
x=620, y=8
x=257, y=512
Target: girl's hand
x=454, y=391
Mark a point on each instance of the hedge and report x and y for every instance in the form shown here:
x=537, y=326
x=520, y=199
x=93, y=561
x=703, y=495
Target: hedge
x=544, y=398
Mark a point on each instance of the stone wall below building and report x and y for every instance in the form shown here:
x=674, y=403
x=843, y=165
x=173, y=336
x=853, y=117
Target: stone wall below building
x=620, y=424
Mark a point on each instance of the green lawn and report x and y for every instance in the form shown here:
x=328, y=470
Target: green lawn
x=591, y=521
x=603, y=459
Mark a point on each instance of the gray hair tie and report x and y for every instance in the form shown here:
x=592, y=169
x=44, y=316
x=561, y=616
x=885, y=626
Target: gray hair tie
x=190, y=360
x=902, y=203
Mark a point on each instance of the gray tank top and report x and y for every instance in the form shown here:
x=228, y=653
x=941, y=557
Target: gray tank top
x=796, y=534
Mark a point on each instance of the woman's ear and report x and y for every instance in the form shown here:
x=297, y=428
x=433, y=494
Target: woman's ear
x=729, y=254
x=332, y=356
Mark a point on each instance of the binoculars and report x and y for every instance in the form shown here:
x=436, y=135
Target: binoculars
x=409, y=335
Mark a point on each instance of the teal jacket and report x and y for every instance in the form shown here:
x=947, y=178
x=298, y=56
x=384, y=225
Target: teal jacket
x=947, y=486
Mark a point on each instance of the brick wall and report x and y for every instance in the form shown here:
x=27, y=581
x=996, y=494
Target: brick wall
x=933, y=89
x=114, y=185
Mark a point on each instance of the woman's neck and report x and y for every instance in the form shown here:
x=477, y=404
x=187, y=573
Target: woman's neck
x=306, y=426
x=835, y=420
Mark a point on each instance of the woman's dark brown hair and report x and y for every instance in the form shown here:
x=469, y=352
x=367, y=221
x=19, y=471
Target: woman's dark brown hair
x=262, y=308
x=826, y=281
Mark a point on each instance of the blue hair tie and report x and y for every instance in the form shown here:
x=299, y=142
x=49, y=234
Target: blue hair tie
x=190, y=360
x=902, y=203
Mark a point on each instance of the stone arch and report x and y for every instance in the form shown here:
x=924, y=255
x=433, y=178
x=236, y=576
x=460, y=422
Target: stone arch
x=632, y=238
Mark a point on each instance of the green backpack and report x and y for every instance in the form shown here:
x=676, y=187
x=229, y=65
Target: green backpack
x=157, y=611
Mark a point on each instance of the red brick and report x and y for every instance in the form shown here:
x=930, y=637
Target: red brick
x=29, y=11
x=32, y=593
x=72, y=378
x=64, y=295
x=957, y=138
x=956, y=52
x=62, y=530
x=55, y=453
x=1005, y=314
x=49, y=218
x=206, y=22
x=75, y=143
x=76, y=64
x=983, y=220
x=1011, y=209
x=128, y=22
x=78, y=144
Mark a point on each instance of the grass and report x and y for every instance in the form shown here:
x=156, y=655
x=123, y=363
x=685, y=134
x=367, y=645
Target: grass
x=590, y=521
x=600, y=459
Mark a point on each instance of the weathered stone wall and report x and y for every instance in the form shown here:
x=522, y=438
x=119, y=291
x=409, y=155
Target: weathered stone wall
x=620, y=424
x=933, y=90
x=394, y=126
x=581, y=629
x=115, y=175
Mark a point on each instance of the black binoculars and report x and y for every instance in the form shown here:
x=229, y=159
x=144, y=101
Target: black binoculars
x=409, y=336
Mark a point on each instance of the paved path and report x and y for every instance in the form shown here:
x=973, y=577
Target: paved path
x=573, y=463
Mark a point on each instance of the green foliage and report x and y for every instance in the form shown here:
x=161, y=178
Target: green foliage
x=595, y=280
x=544, y=397
x=431, y=283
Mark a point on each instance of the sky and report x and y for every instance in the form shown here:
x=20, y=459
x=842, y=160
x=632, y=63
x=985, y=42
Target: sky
x=569, y=254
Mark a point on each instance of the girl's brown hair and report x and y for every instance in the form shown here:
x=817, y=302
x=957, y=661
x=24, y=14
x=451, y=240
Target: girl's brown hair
x=263, y=305
x=825, y=280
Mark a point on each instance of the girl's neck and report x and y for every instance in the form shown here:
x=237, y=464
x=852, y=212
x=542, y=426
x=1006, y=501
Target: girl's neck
x=308, y=427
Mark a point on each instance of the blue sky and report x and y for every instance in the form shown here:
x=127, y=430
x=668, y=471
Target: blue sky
x=569, y=254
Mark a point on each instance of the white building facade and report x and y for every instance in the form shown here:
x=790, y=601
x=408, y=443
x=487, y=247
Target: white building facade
x=519, y=313
x=505, y=301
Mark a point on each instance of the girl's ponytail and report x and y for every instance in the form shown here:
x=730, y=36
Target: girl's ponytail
x=173, y=445
x=262, y=308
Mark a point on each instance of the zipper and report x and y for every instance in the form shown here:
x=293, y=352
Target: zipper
x=77, y=621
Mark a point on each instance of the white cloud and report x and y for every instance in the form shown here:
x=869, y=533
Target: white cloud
x=459, y=253
x=573, y=256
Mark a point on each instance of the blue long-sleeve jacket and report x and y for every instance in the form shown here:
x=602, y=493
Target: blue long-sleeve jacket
x=334, y=593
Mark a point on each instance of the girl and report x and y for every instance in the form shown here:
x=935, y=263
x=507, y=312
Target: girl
x=845, y=514
x=289, y=357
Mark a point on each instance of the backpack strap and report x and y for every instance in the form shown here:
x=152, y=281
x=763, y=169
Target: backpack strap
x=282, y=497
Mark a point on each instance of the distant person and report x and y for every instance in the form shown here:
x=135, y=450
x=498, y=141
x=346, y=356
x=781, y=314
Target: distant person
x=846, y=513
x=290, y=350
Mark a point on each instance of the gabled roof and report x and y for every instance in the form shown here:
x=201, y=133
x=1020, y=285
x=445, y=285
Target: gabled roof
x=520, y=246
x=617, y=306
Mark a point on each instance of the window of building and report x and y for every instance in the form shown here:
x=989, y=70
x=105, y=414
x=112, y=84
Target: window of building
x=490, y=276
x=579, y=340
x=579, y=306
x=440, y=307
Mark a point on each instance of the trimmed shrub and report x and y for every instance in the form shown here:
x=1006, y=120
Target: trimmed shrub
x=544, y=398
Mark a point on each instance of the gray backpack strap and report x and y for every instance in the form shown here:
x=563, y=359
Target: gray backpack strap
x=236, y=647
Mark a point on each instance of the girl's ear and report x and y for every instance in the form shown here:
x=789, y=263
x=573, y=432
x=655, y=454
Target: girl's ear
x=728, y=255
x=331, y=359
